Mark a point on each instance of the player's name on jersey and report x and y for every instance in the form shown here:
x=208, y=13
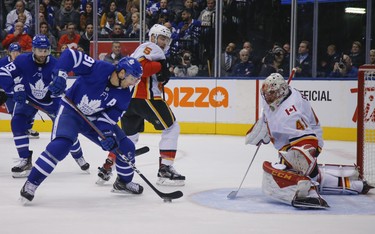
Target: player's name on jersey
x=316, y=95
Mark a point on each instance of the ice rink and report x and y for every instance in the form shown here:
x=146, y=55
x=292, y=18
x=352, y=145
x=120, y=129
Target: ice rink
x=70, y=202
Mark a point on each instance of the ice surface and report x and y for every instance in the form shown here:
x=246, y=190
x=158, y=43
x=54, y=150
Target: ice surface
x=69, y=201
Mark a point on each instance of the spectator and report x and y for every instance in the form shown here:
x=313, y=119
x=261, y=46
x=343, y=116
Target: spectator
x=44, y=29
x=21, y=18
x=118, y=16
x=188, y=32
x=344, y=68
x=277, y=65
x=110, y=23
x=115, y=55
x=47, y=16
x=71, y=38
x=84, y=41
x=329, y=60
x=65, y=15
x=128, y=16
x=372, y=56
x=161, y=12
x=18, y=36
x=303, y=60
x=228, y=59
x=186, y=68
x=86, y=16
x=12, y=16
x=133, y=30
x=207, y=19
x=117, y=32
x=356, y=54
x=244, y=68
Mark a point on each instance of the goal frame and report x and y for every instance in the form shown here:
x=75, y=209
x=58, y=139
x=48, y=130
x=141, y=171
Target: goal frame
x=361, y=114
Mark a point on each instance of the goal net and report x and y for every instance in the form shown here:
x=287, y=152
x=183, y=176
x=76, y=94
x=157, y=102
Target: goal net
x=366, y=123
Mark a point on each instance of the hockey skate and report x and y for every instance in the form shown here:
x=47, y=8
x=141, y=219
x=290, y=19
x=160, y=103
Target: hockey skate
x=23, y=168
x=168, y=176
x=105, y=172
x=27, y=192
x=312, y=201
x=127, y=188
x=366, y=187
x=32, y=134
x=83, y=164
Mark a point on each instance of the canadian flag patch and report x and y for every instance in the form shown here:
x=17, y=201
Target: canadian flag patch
x=290, y=110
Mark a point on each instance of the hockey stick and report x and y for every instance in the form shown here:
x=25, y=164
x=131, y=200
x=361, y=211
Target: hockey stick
x=141, y=150
x=292, y=75
x=40, y=109
x=164, y=196
x=233, y=194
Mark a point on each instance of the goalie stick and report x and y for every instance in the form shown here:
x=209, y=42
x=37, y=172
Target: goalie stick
x=164, y=196
x=233, y=194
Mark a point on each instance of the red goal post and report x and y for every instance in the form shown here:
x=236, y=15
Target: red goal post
x=366, y=123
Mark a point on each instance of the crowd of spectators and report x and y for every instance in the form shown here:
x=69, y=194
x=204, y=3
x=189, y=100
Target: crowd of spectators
x=69, y=23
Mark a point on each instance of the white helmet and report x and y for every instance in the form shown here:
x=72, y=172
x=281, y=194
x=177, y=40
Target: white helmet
x=274, y=90
x=158, y=30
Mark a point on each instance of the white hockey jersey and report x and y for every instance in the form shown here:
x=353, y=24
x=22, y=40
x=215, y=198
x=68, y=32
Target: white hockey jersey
x=148, y=54
x=293, y=122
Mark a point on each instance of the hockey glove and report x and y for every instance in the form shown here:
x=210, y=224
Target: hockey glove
x=164, y=74
x=58, y=84
x=109, y=143
x=3, y=97
x=19, y=95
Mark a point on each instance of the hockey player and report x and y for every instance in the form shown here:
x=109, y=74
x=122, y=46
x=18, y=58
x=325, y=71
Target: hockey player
x=13, y=51
x=101, y=93
x=290, y=123
x=148, y=104
x=29, y=75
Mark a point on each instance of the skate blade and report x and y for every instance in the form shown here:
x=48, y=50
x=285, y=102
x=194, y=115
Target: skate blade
x=33, y=137
x=304, y=205
x=169, y=182
x=87, y=171
x=122, y=192
x=23, y=201
x=100, y=181
x=21, y=174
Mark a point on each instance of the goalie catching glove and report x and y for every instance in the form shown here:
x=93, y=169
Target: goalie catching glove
x=258, y=134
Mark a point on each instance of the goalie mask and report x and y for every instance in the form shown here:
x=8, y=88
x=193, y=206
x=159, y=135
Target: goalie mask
x=160, y=30
x=274, y=90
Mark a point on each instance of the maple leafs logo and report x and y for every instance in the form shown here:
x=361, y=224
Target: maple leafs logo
x=89, y=107
x=40, y=90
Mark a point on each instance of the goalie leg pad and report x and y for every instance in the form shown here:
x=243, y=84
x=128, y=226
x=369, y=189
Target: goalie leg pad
x=283, y=185
x=300, y=159
x=340, y=180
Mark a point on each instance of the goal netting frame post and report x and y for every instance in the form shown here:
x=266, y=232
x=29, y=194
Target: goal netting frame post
x=366, y=123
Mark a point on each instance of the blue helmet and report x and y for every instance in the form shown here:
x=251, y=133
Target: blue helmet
x=41, y=41
x=131, y=66
x=15, y=46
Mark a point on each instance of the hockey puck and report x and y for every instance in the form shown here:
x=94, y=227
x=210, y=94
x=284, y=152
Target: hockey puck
x=167, y=200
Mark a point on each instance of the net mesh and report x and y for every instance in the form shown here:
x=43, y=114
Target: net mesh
x=369, y=126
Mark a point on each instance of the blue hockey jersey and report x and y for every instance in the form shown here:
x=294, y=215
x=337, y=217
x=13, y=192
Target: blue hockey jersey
x=92, y=92
x=35, y=77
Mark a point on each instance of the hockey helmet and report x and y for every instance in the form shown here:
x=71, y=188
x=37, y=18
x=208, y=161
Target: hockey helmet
x=160, y=30
x=132, y=68
x=15, y=46
x=274, y=90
